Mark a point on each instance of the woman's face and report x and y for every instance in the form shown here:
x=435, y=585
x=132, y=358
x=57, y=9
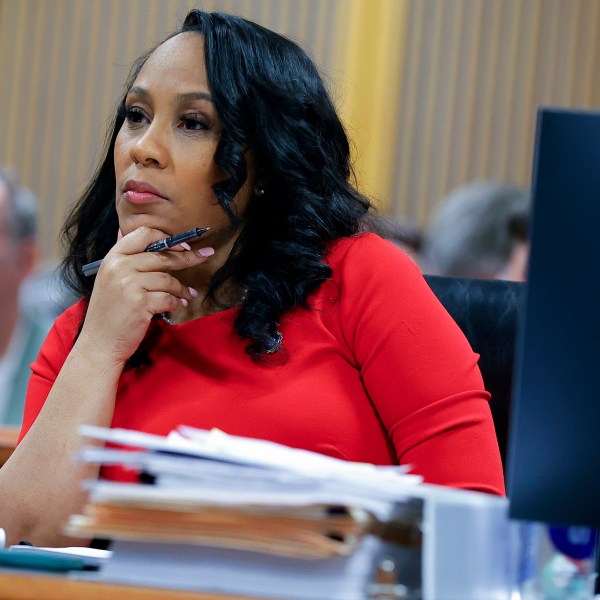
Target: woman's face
x=164, y=151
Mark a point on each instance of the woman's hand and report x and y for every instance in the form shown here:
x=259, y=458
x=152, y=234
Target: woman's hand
x=131, y=287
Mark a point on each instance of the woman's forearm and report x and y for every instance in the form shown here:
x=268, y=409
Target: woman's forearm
x=40, y=485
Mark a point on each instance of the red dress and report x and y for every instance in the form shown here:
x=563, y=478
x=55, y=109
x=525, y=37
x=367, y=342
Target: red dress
x=376, y=371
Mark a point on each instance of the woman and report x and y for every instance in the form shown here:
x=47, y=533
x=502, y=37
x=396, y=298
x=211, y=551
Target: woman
x=283, y=323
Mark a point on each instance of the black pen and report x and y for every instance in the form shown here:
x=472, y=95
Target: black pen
x=187, y=236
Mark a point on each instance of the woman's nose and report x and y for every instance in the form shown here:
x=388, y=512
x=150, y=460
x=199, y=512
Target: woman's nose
x=149, y=148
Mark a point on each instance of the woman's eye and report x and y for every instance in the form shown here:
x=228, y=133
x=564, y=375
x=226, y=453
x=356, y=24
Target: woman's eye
x=135, y=115
x=192, y=123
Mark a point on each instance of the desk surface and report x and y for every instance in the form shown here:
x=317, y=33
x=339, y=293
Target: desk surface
x=16, y=585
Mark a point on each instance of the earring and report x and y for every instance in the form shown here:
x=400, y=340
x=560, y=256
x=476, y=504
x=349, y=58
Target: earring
x=275, y=344
x=259, y=191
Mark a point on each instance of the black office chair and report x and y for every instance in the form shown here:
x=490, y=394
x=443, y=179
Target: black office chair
x=487, y=312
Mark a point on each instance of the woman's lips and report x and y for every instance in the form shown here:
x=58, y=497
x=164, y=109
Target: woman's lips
x=142, y=197
x=139, y=192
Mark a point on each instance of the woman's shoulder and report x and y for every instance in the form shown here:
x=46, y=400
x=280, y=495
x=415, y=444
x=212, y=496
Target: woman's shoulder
x=370, y=269
x=366, y=252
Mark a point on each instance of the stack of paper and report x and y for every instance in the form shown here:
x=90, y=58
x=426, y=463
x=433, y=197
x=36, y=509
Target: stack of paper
x=247, y=516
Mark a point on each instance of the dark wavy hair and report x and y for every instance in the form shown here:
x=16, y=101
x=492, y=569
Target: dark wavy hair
x=272, y=102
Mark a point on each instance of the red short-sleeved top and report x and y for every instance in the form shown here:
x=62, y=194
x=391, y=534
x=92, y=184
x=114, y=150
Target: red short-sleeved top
x=376, y=371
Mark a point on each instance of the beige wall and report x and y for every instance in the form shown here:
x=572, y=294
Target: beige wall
x=476, y=72
x=434, y=92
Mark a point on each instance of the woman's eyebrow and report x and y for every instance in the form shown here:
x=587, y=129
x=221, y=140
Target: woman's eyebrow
x=193, y=96
x=186, y=97
x=140, y=91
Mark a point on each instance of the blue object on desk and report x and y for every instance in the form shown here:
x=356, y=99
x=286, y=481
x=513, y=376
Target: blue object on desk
x=577, y=543
x=34, y=562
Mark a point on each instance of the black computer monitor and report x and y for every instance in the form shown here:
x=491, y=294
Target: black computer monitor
x=554, y=443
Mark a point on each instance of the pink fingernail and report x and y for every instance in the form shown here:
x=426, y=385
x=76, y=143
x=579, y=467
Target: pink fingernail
x=184, y=302
x=204, y=252
x=193, y=292
x=185, y=246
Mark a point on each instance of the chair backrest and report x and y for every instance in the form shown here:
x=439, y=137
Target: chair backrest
x=487, y=312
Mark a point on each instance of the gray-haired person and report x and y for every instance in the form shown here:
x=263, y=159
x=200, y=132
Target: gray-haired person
x=480, y=230
x=21, y=333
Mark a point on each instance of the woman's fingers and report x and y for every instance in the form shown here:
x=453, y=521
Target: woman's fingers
x=133, y=285
x=163, y=282
x=168, y=260
x=162, y=302
x=134, y=243
x=139, y=239
x=118, y=265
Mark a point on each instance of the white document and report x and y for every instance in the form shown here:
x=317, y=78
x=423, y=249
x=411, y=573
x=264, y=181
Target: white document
x=220, y=446
x=221, y=468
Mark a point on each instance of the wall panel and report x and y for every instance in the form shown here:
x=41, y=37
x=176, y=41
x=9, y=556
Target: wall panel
x=477, y=71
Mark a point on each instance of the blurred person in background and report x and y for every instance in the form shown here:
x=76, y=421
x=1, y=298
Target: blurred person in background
x=24, y=324
x=480, y=230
